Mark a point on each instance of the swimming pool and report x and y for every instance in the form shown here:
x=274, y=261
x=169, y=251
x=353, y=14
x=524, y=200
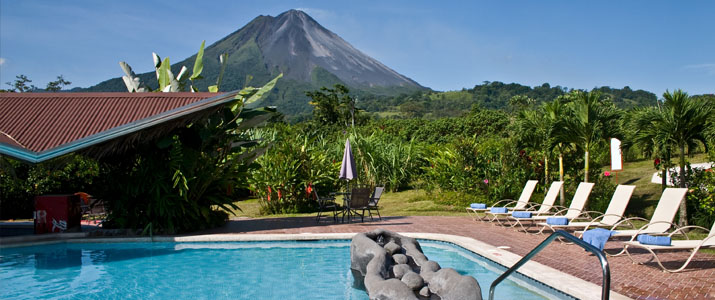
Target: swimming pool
x=221, y=270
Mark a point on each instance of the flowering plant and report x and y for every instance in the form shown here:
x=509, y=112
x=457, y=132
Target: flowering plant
x=606, y=173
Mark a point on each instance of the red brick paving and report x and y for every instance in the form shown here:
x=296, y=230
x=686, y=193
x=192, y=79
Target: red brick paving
x=636, y=281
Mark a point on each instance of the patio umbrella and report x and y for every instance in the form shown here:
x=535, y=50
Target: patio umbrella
x=347, y=167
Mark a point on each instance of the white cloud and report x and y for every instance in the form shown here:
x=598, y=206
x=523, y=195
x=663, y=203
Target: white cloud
x=2, y=61
x=709, y=68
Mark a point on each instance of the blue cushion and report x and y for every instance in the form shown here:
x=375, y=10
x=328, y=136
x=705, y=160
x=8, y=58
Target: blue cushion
x=498, y=210
x=478, y=205
x=557, y=220
x=654, y=240
x=597, y=237
x=521, y=214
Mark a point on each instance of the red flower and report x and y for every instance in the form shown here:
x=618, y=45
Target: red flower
x=309, y=189
x=269, y=193
x=280, y=196
x=606, y=173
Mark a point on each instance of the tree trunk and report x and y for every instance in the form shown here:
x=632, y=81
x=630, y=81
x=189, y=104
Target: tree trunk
x=562, y=201
x=546, y=170
x=585, y=173
x=683, y=220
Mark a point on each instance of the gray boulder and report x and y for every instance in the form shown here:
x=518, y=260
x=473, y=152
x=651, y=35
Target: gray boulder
x=403, y=256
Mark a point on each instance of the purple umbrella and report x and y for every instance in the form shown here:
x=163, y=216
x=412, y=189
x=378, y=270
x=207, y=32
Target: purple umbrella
x=347, y=167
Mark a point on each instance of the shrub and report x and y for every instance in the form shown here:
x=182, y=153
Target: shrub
x=602, y=191
x=294, y=164
x=488, y=166
x=701, y=198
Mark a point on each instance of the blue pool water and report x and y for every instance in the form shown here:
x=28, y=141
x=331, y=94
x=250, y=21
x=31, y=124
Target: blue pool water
x=235, y=270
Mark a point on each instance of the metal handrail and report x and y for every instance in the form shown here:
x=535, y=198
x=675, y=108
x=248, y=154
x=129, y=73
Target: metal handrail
x=606, y=287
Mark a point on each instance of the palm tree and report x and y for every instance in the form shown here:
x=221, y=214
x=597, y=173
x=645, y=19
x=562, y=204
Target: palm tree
x=684, y=120
x=589, y=122
x=555, y=112
x=649, y=131
x=535, y=131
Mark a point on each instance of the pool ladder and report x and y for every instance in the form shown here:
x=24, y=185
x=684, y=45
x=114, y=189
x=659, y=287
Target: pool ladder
x=605, y=288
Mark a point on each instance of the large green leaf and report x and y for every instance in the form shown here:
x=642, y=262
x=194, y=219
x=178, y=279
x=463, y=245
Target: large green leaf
x=198, y=63
x=164, y=77
x=263, y=90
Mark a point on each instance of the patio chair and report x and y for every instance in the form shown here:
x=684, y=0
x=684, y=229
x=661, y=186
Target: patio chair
x=325, y=204
x=692, y=245
x=659, y=224
x=545, y=208
x=613, y=214
x=93, y=211
x=374, y=200
x=577, y=204
x=519, y=204
x=359, y=199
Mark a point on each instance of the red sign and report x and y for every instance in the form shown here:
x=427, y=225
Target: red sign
x=57, y=213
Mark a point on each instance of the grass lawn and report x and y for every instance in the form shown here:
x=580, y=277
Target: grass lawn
x=404, y=203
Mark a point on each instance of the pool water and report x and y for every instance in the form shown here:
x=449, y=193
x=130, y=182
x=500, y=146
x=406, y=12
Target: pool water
x=231, y=270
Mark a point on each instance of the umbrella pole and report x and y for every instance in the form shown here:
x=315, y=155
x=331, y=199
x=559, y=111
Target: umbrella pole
x=347, y=203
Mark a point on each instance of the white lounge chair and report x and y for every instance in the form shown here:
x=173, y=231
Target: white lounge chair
x=546, y=207
x=613, y=214
x=659, y=224
x=519, y=204
x=693, y=245
x=574, y=210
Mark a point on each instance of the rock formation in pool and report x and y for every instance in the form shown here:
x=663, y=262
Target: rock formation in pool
x=393, y=266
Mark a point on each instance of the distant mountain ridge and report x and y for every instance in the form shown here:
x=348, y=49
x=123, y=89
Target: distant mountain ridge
x=309, y=56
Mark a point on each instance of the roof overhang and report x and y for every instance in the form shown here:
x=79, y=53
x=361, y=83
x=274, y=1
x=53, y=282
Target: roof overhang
x=113, y=133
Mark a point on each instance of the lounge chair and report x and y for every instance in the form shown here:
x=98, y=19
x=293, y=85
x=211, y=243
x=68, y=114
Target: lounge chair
x=374, y=200
x=519, y=204
x=613, y=214
x=359, y=199
x=659, y=224
x=574, y=210
x=693, y=245
x=545, y=208
x=325, y=204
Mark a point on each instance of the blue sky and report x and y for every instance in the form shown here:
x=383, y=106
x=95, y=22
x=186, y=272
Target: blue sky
x=650, y=45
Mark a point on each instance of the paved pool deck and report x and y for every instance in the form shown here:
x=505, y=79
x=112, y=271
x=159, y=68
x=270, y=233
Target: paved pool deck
x=635, y=281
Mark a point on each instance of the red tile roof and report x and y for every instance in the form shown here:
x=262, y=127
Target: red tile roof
x=41, y=121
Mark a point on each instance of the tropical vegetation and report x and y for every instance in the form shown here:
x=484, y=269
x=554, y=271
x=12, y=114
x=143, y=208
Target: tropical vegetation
x=455, y=156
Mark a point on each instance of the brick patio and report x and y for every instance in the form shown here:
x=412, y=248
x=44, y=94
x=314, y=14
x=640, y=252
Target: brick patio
x=636, y=281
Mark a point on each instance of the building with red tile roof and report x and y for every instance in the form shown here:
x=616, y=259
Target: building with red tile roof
x=35, y=127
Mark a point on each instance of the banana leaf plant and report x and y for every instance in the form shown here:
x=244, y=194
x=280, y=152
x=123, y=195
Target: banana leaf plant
x=186, y=180
x=165, y=77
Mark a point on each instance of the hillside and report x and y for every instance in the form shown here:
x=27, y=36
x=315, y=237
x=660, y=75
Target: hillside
x=491, y=95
